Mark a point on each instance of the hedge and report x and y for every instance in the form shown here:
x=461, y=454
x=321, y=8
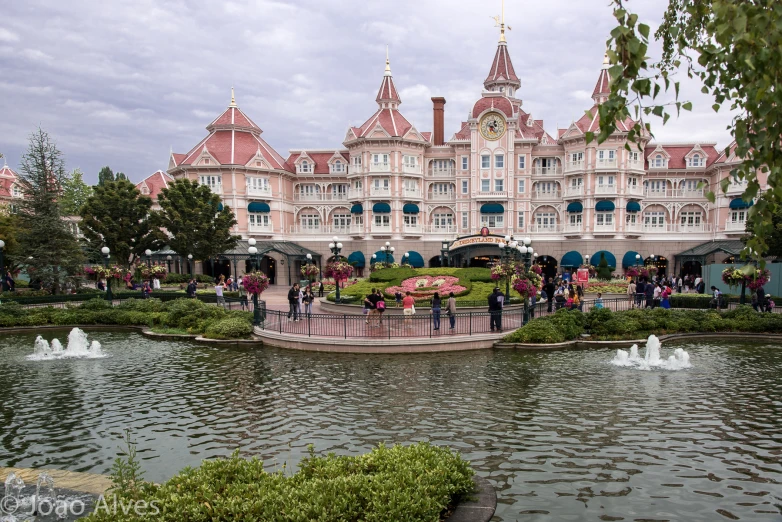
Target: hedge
x=411, y=483
x=187, y=314
x=701, y=301
x=175, y=279
x=603, y=324
x=205, y=296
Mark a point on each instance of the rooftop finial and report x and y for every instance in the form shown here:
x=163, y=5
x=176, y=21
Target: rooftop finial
x=388, y=63
x=606, y=61
x=233, y=99
x=500, y=22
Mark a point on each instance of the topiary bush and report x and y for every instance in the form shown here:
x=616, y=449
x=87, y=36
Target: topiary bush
x=96, y=304
x=229, y=328
x=603, y=270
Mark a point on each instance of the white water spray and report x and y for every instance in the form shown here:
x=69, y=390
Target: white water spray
x=79, y=346
x=678, y=361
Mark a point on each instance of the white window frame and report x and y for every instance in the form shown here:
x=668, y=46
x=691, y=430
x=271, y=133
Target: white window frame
x=654, y=219
x=691, y=218
x=211, y=180
x=465, y=163
x=344, y=220
x=259, y=219
x=575, y=218
x=522, y=185
x=465, y=220
x=520, y=220
x=309, y=221
x=485, y=161
x=465, y=186
x=604, y=218
x=522, y=162
x=485, y=185
x=305, y=167
x=499, y=185
x=443, y=221
x=493, y=220
x=499, y=161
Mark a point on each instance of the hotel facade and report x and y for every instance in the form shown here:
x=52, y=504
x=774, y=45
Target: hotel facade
x=499, y=173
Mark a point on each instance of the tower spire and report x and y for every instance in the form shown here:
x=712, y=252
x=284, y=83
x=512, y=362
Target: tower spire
x=388, y=63
x=233, y=99
x=500, y=22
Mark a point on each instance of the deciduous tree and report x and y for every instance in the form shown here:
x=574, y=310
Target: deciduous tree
x=191, y=214
x=119, y=217
x=75, y=193
x=52, y=253
x=733, y=48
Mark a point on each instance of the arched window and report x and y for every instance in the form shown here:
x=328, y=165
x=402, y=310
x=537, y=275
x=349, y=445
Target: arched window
x=338, y=166
x=696, y=160
x=659, y=161
x=305, y=167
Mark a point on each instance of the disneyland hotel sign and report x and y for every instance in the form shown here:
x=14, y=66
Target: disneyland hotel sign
x=477, y=240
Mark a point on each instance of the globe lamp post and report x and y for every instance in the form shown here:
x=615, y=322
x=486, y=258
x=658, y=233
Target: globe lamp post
x=106, y=254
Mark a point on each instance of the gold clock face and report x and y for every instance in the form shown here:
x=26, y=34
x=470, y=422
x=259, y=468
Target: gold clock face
x=492, y=126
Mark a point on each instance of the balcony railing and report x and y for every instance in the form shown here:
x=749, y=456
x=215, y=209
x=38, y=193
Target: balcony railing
x=574, y=191
x=635, y=190
x=546, y=194
x=441, y=172
x=443, y=230
x=605, y=189
x=604, y=229
x=492, y=195
x=657, y=229
x=688, y=193
x=574, y=165
x=735, y=226
x=441, y=196
x=216, y=189
x=320, y=229
x=635, y=165
x=381, y=229
x=700, y=228
x=413, y=229
x=574, y=229
x=381, y=191
x=412, y=193
x=661, y=193
x=327, y=196
x=379, y=167
x=356, y=229
x=260, y=229
x=266, y=191
x=355, y=194
x=544, y=229
x=411, y=169
x=546, y=171
x=634, y=228
x=606, y=163
x=737, y=188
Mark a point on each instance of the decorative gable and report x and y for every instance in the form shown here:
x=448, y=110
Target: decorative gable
x=258, y=161
x=338, y=164
x=658, y=159
x=696, y=158
x=304, y=164
x=414, y=135
x=205, y=159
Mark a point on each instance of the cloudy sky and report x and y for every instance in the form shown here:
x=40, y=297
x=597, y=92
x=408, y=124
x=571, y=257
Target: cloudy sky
x=120, y=83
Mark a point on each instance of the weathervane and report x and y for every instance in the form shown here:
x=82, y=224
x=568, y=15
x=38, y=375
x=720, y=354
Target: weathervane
x=500, y=22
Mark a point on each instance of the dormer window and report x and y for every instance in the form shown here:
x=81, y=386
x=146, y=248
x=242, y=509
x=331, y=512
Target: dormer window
x=144, y=190
x=696, y=160
x=659, y=161
x=305, y=167
x=15, y=192
x=338, y=166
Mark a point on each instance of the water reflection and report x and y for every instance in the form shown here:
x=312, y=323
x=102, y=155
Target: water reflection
x=562, y=436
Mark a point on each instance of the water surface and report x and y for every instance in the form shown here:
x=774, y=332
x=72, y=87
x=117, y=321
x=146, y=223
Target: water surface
x=561, y=435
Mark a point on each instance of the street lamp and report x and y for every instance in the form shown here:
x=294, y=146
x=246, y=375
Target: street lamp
x=253, y=260
x=168, y=262
x=336, y=248
x=190, y=264
x=148, y=253
x=106, y=254
x=406, y=259
x=638, y=260
x=444, y=247
x=2, y=266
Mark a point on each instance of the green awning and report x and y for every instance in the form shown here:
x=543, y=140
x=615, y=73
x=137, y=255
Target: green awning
x=381, y=208
x=572, y=259
x=256, y=206
x=629, y=259
x=381, y=257
x=575, y=206
x=605, y=206
x=633, y=206
x=220, y=207
x=410, y=208
x=738, y=204
x=358, y=208
x=492, y=208
x=356, y=259
x=415, y=259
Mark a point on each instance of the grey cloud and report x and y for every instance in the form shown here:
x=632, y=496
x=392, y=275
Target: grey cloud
x=118, y=83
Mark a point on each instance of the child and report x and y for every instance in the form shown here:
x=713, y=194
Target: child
x=599, y=301
x=769, y=303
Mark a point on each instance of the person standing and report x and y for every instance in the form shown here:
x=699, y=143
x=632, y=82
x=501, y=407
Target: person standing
x=293, y=302
x=191, y=289
x=309, y=297
x=398, y=298
x=679, y=284
x=631, y=292
x=640, y=292
x=649, y=293
x=370, y=303
x=408, y=304
x=300, y=303
x=436, y=308
x=451, y=310
x=381, y=306
x=243, y=295
x=760, y=297
x=320, y=289
x=219, y=293
x=550, y=289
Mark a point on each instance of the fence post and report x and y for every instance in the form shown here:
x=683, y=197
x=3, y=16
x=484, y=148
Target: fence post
x=388, y=323
x=345, y=322
x=470, y=323
x=309, y=326
x=279, y=320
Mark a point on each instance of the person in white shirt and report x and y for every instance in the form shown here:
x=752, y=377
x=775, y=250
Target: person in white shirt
x=301, y=300
x=219, y=293
x=156, y=284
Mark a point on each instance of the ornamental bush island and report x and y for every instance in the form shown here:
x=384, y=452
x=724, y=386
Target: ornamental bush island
x=425, y=286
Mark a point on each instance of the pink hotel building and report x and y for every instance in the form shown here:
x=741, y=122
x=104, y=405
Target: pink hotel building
x=500, y=170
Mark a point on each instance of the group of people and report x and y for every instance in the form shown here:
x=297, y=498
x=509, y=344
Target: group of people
x=651, y=293
x=300, y=301
x=375, y=306
x=562, y=293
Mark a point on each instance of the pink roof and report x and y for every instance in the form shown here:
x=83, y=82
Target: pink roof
x=155, y=183
x=534, y=131
x=7, y=179
x=677, y=154
x=587, y=124
x=321, y=160
x=178, y=158
x=391, y=120
x=233, y=116
x=603, y=86
x=427, y=136
x=502, y=67
x=464, y=132
x=387, y=91
x=500, y=103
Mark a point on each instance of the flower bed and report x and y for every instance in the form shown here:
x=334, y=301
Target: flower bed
x=424, y=286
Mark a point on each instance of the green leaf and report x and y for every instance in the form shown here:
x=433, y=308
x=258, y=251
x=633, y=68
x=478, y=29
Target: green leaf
x=644, y=30
x=687, y=106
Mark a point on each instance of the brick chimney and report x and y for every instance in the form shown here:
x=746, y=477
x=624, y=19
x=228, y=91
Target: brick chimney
x=439, y=117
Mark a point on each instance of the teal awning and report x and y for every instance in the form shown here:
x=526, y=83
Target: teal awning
x=738, y=204
x=410, y=208
x=595, y=259
x=415, y=259
x=629, y=259
x=381, y=208
x=220, y=207
x=492, y=208
x=356, y=259
x=381, y=257
x=358, y=208
x=575, y=207
x=572, y=259
x=256, y=206
x=633, y=206
x=605, y=206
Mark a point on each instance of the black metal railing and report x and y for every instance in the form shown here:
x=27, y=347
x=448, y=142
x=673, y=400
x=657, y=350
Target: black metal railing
x=385, y=326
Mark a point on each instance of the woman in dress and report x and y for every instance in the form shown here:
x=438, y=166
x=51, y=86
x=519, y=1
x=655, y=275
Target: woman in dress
x=436, y=307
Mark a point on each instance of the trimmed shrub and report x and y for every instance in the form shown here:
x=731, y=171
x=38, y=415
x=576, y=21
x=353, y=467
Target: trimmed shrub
x=96, y=304
x=142, y=305
x=230, y=328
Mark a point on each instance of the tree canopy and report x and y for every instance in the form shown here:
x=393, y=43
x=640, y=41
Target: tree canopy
x=74, y=193
x=733, y=48
x=191, y=214
x=117, y=216
x=53, y=253
x=105, y=175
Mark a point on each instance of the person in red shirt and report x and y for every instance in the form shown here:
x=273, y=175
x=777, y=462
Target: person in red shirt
x=408, y=303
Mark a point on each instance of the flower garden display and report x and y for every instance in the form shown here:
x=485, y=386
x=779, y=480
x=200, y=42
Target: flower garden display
x=632, y=272
x=310, y=271
x=502, y=271
x=754, y=278
x=153, y=272
x=526, y=283
x=339, y=270
x=115, y=272
x=424, y=286
x=255, y=283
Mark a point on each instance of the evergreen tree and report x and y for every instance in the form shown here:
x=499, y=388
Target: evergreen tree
x=603, y=270
x=120, y=175
x=105, y=174
x=52, y=253
x=118, y=216
x=74, y=193
x=190, y=213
